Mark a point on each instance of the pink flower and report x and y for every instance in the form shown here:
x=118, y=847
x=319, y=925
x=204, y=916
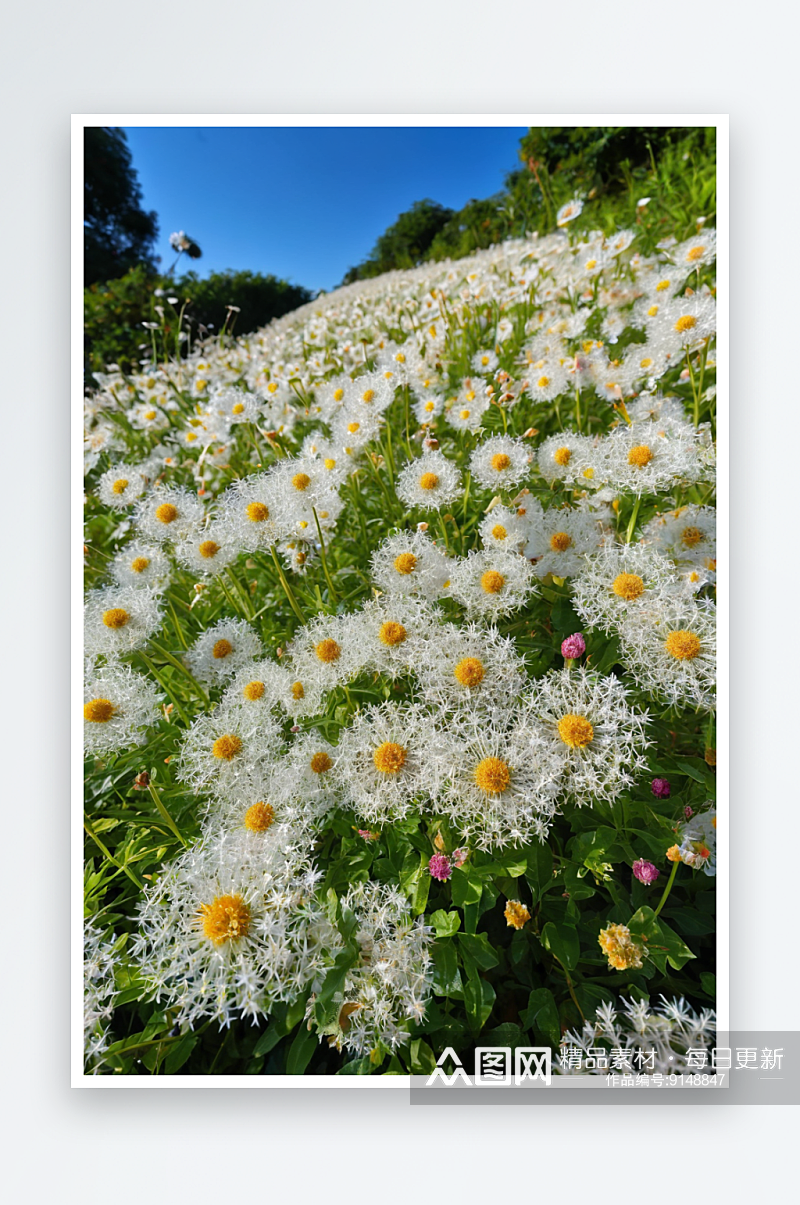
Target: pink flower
x=460, y=856
x=661, y=788
x=645, y=872
x=440, y=868
x=573, y=647
x=687, y=811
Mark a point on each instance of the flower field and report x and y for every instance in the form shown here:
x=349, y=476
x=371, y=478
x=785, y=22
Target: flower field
x=399, y=703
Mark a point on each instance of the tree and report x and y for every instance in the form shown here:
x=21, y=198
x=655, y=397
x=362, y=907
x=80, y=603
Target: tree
x=117, y=233
x=404, y=243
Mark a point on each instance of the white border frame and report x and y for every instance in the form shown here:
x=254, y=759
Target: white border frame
x=79, y=121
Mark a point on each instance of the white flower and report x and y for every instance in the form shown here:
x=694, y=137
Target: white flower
x=500, y=462
x=391, y=982
x=569, y=457
x=410, y=563
x=644, y=458
x=225, y=933
x=223, y=650
x=491, y=583
x=621, y=580
x=207, y=553
x=672, y=652
x=503, y=528
x=688, y=536
x=387, y=761
x=118, y=619
x=100, y=957
x=468, y=665
x=430, y=482
x=591, y=730
x=117, y=706
x=558, y=540
x=499, y=779
x=142, y=566
x=169, y=513
x=569, y=212
x=121, y=485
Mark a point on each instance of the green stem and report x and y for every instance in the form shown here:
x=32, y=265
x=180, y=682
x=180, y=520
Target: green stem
x=633, y=518
x=695, y=393
x=331, y=591
x=120, y=865
x=164, y=813
x=287, y=589
x=180, y=666
x=668, y=887
x=172, y=698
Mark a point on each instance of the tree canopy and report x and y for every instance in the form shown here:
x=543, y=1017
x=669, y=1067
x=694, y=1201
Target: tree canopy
x=118, y=233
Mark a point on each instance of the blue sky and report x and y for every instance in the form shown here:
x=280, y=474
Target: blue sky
x=306, y=204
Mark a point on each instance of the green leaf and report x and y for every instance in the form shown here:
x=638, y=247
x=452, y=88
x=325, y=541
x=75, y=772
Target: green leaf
x=708, y=982
x=301, y=1051
x=479, y=997
x=180, y=1052
x=477, y=948
x=541, y=1015
x=563, y=943
x=539, y=873
x=465, y=889
x=445, y=923
x=357, y=1067
x=446, y=975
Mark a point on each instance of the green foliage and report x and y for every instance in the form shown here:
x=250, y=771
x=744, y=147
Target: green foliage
x=114, y=311
x=117, y=233
x=405, y=243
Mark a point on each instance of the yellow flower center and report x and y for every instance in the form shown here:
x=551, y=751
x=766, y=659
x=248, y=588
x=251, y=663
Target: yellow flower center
x=492, y=775
x=405, y=563
x=683, y=646
x=516, y=914
x=429, y=406
x=301, y=481
x=226, y=918
x=150, y=415
x=464, y=415
x=353, y=427
x=389, y=758
x=200, y=385
x=428, y=481
x=368, y=395
x=662, y=285
x=685, y=323
x=543, y=382
x=99, y=711
x=253, y=690
x=499, y=532
x=328, y=651
x=588, y=474
x=191, y=436
x=500, y=461
x=591, y=263
x=330, y=463
x=320, y=763
x=166, y=513
x=695, y=253
x=640, y=456
x=222, y=649
x=562, y=456
x=469, y=671
x=226, y=747
x=139, y=564
x=691, y=536
x=120, y=485
x=628, y=586
x=492, y=582
x=297, y=691
x=560, y=541
x=391, y=633
x=116, y=618
x=575, y=731
x=645, y=363
x=258, y=817
x=338, y=394
x=208, y=549
x=238, y=409
x=257, y=512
